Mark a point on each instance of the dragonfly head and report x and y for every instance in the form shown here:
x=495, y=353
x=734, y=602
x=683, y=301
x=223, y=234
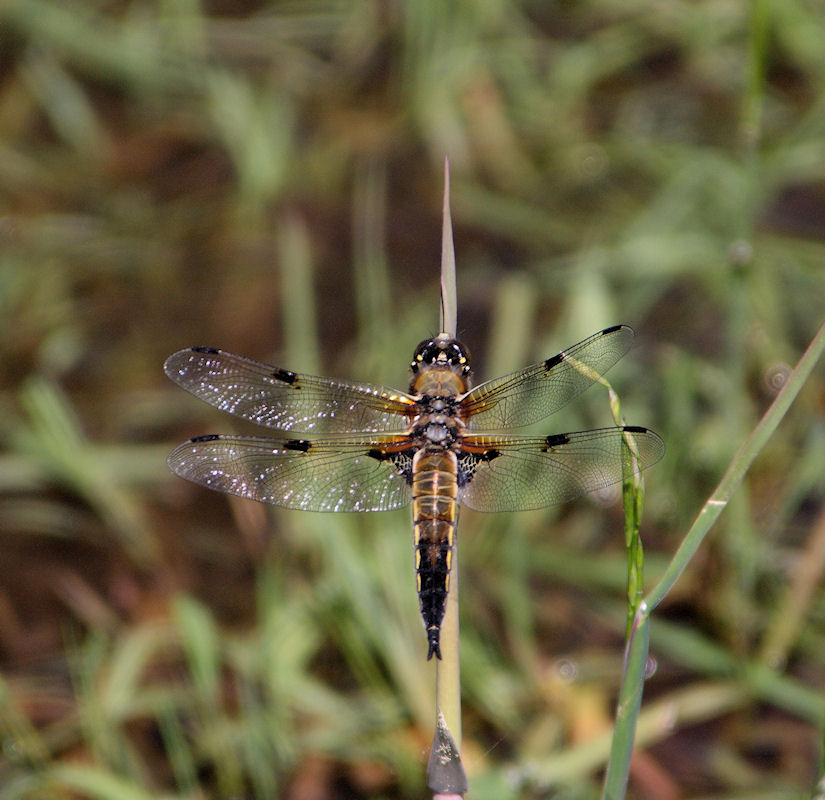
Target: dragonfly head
x=441, y=352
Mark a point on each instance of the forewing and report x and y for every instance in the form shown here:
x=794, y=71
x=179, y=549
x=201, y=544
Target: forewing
x=515, y=473
x=337, y=474
x=535, y=392
x=288, y=401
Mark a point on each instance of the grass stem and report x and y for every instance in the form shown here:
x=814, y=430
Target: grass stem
x=445, y=772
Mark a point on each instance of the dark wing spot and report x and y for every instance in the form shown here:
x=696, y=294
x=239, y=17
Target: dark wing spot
x=302, y=445
x=634, y=429
x=379, y=455
x=468, y=463
x=212, y=351
x=207, y=437
x=401, y=460
x=284, y=375
x=556, y=439
x=611, y=329
x=552, y=362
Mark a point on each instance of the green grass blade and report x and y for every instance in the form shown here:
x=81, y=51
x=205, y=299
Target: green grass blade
x=627, y=714
x=97, y=783
x=738, y=467
x=633, y=679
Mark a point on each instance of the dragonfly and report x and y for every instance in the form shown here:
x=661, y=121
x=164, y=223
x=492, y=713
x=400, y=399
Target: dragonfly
x=358, y=447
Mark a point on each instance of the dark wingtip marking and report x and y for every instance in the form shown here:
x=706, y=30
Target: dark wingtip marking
x=556, y=439
x=301, y=445
x=635, y=429
x=284, y=375
x=207, y=437
x=551, y=362
x=212, y=351
x=613, y=328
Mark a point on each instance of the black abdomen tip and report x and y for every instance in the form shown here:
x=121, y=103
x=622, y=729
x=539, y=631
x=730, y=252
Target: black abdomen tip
x=433, y=637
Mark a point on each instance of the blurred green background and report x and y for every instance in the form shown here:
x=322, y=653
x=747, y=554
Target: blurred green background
x=266, y=178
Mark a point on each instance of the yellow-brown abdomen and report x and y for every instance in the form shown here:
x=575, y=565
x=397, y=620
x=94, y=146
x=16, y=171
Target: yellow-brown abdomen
x=435, y=515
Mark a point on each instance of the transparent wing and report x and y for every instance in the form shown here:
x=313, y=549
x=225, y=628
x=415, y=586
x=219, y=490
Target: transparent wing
x=535, y=392
x=515, y=473
x=288, y=401
x=337, y=474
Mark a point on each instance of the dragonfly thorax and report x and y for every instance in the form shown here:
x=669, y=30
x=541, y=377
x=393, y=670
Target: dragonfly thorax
x=440, y=433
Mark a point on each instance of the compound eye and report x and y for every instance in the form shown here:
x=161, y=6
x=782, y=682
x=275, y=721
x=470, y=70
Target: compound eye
x=426, y=353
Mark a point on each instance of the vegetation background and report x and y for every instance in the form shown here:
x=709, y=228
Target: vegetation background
x=266, y=177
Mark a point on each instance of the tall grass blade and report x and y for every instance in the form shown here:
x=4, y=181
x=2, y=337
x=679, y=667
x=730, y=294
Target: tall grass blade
x=449, y=302
x=445, y=772
x=740, y=464
x=630, y=693
x=627, y=712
